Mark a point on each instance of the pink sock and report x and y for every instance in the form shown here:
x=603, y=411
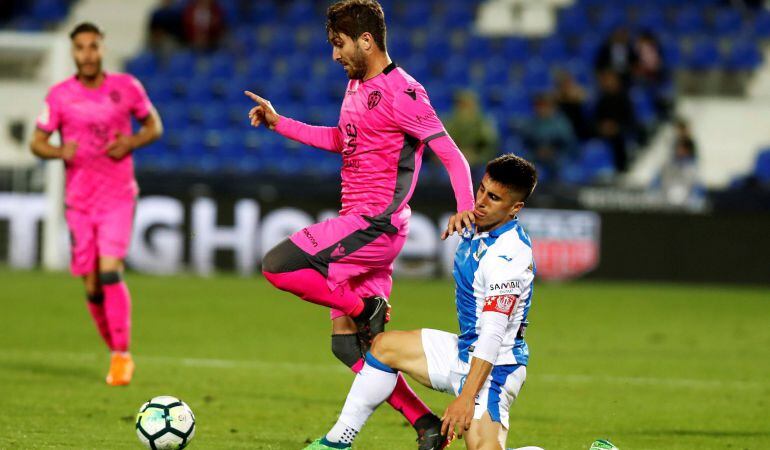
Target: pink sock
x=95, y=305
x=403, y=399
x=117, y=306
x=310, y=285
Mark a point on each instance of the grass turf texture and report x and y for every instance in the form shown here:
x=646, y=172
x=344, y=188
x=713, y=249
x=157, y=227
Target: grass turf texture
x=646, y=366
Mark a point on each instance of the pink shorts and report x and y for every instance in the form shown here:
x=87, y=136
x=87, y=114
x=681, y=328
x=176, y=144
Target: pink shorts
x=353, y=251
x=95, y=233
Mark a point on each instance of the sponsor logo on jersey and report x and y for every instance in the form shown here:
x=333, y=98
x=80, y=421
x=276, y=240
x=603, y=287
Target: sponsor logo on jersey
x=480, y=251
x=504, y=304
x=374, y=99
x=425, y=117
x=505, y=286
x=351, y=143
x=338, y=252
x=507, y=258
x=310, y=237
x=411, y=92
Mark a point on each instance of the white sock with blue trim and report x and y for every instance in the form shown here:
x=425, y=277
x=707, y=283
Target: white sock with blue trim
x=372, y=386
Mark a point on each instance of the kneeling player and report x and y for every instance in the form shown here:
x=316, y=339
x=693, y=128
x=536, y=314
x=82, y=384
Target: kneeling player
x=485, y=365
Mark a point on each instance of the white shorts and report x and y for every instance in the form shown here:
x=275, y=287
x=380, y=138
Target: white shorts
x=447, y=374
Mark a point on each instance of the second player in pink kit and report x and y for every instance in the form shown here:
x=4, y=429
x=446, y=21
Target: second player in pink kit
x=386, y=123
x=92, y=111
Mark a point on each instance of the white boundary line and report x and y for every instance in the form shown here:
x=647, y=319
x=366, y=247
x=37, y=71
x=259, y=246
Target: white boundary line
x=216, y=363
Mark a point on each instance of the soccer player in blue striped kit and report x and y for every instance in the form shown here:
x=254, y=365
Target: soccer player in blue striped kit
x=485, y=365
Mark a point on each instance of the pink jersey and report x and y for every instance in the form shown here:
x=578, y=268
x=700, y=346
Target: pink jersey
x=385, y=125
x=92, y=118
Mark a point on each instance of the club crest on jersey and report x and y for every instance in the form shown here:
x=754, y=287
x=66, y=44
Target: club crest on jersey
x=115, y=96
x=504, y=304
x=374, y=99
x=480, y=251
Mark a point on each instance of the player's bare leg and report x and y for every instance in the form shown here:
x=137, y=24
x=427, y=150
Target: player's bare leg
x=485, y=434
x=117, y=305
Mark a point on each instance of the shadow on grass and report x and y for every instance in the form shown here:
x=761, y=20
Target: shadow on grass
x=53, y=370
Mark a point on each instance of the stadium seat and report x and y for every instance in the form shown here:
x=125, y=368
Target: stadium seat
x=704, y=55
x=143, y=65
x=743, y=56
x=644, y=107
x=760, y=24
x=688, y=20
x=727, y=22
x=762, y=166
x=596, y=160
x=181, y=64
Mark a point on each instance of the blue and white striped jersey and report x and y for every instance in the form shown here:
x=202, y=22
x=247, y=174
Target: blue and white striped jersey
x=494, y=273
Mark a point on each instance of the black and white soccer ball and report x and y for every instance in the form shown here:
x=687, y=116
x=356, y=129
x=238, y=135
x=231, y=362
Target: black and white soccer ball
x=165, y=423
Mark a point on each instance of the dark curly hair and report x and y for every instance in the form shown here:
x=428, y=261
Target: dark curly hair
x=356, y=17
x=515, y=173
x=85, y=27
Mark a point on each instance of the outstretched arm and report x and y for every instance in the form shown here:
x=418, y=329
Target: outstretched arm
x=415, y=115
x=325, y=138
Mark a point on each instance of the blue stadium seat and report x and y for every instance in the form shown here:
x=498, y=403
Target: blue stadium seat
x=609, y=18
x=574, y=21
x=48, y=10
x=181, y=64
x=197, y=89
x=220, y=64
x=552, y=50
x=173, y=115
x=596, y=159
x=496, y=70
x=142, y=65
x=650, y=18
x=762, y=166
x=644, y=108
x=760, y=25
x=216, y=117
x=300, y=12
x=704, y=55
x=537, y=76
x=743, y=56
x=727, y=21
x=688, y=20
x=158, y=89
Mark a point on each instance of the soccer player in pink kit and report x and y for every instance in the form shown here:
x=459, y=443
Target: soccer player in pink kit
x=92, y=112
x=386, y=123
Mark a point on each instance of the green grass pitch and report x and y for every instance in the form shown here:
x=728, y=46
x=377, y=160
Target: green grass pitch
x=647, y=366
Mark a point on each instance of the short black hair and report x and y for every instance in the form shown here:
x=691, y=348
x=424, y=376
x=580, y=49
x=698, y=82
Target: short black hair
x=85, y=27
x=515, y=173
x=356, y=17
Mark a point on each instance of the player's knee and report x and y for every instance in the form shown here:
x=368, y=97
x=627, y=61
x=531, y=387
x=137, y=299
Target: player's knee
x=284, y=257
x=271, y=262
x=482, y=443
x=382, y=347
x=346, y=348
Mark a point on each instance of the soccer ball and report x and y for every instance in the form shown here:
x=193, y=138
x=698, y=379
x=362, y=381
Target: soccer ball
x=164, y=423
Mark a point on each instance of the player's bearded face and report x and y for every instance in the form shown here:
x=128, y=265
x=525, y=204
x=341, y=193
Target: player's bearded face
x=347, y=52
x=495, y=204
x=87, y=52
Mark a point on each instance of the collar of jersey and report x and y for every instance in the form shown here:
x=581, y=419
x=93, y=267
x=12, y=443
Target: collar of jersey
x=494, y=233
x=389, y=68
